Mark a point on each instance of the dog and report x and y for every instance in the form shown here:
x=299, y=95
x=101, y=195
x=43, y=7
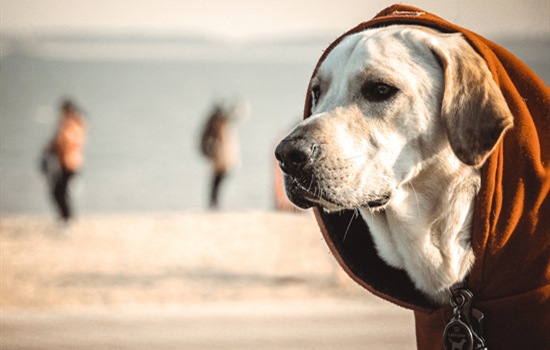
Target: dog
x=402, y=118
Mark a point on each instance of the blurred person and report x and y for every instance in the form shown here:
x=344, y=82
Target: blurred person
x=220, y=143
x=63, y=157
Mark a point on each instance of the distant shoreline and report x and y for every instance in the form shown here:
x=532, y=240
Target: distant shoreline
x=139, y=47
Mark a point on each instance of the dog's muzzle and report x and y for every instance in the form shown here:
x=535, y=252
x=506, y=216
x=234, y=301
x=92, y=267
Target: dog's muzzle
x=312, y=179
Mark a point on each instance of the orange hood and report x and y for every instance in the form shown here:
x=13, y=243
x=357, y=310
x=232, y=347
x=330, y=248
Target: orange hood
x=510, y=278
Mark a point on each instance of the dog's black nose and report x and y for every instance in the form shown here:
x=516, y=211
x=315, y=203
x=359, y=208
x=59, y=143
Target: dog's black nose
x=293, y=154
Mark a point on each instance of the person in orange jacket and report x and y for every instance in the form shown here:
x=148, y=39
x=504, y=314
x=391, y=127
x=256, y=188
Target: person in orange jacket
x=64, y=156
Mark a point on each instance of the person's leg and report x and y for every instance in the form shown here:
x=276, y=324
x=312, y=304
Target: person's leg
x=216, y=181
x=61, y=194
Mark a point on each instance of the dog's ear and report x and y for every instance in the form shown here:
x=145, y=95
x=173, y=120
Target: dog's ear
x=473, y=109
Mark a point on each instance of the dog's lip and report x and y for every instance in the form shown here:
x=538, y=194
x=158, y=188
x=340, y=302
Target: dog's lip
x=310, y=198
x=380, y=202
x=328, y=206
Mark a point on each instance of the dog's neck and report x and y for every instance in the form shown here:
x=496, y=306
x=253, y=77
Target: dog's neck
x=426, y=228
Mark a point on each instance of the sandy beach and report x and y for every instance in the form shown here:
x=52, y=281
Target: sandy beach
x=246, y=280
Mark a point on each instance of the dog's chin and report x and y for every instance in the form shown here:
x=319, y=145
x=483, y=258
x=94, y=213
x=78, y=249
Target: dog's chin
x=298, y=196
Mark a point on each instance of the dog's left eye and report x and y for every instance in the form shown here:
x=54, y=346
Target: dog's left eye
x=378, y=92
x=316, y=93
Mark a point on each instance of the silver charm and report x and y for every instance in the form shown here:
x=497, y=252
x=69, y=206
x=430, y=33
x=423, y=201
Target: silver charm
x=463, y=332
x=458, y=336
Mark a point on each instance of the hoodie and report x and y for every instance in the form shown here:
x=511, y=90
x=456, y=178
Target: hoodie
x=510, y=278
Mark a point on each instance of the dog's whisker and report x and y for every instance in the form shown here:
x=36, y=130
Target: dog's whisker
x=353, y=216
x=355, y=157
x=311, y=183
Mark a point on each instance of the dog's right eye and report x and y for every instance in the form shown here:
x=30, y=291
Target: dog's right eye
x=378, y=92
x=315, y=93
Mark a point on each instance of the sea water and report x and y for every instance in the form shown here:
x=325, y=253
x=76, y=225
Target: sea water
x=145, y=102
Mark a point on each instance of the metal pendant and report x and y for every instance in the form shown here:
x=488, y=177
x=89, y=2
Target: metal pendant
x=458, y=336
x=465, y=330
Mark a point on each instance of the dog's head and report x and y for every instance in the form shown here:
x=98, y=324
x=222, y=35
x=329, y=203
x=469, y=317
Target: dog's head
x=385, y=102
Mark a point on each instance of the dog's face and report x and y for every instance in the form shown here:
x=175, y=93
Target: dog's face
x=372, y=122
x=380, y=109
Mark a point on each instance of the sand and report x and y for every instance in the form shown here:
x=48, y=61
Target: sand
x=196, y=280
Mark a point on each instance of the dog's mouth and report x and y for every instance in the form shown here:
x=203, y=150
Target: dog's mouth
x=380, y=202
x=330, y=206
x=331, y=201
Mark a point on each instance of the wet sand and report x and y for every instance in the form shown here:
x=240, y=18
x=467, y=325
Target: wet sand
x=248, y=280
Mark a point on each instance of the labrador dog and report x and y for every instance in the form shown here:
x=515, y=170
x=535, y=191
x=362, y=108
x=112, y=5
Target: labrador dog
x=402, y=118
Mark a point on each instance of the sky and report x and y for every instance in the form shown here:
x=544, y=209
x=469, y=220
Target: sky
x=253, y=19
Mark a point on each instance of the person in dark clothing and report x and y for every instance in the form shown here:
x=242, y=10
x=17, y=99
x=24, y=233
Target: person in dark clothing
x=63, y=156
x=61, y=195
x=220, y=144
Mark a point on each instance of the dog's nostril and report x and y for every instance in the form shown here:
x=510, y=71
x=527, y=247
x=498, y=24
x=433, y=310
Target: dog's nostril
x=298, y=156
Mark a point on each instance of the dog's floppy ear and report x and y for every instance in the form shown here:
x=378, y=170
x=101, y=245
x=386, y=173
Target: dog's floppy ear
x=474, y=110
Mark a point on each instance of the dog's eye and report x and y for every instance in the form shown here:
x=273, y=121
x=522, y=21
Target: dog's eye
x=378, y=92
x=315, y=93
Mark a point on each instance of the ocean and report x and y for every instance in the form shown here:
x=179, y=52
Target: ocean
x=146, y=100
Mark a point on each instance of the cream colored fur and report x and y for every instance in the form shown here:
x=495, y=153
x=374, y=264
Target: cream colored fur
x=422, y=147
